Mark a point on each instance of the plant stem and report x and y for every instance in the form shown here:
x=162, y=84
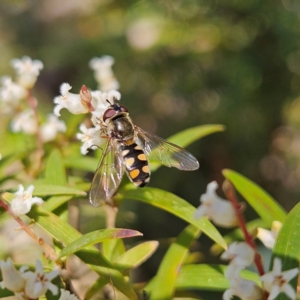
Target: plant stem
x=231, y=196
x=111, y=214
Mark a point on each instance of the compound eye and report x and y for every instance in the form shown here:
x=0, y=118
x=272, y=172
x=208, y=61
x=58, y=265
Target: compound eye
x=123, y=108
x=108, y=114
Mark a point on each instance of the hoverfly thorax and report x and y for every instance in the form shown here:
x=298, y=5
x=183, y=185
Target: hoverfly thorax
x=119, y=124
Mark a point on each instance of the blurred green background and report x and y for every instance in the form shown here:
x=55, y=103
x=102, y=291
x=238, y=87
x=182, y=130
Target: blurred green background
x=180, y=63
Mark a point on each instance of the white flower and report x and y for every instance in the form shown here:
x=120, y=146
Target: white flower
x=23, y=201
x=218, y=210
x=66, y=295
x=50, y=129
x=72, y=102
x=268, y=237
x=91, y=138
x=12, y=278
x=11, y=93
x=103, y=73
x=38, y=282
x=277, y=281
x=25, y=122
x=101, y=104
x=244, y=289
x=240, y=255
x=27, y=70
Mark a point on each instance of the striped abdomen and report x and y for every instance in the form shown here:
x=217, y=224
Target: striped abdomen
x=136, y=164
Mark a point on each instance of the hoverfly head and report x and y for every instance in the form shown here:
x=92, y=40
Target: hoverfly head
x=113, y=109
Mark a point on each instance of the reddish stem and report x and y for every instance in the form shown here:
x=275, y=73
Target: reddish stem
x=231, y=196
x=48, y=250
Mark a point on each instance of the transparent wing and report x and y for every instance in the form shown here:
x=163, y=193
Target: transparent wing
x=108, y=175
x=167, y=153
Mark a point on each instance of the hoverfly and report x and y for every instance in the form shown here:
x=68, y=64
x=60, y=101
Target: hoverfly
x=127, y=149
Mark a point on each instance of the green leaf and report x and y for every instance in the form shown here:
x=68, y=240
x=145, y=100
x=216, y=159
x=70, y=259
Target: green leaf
x=97, y=236
x=174, y=205
x=56, y=201
x=190, y=135
x=136, y=255
x=83, y=163
x=4, y=293
x=55, y=169
x=287, y=246
x=260, y=200
x=171, y=263
x=113, y=248
x=42, y=189
x=208, y=277
x=66, y=234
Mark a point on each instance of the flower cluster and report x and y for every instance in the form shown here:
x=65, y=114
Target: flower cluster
x=274, y=282
x=15, y=95
x=94, y=102
x=27, y=284
x=27, y=119
x=242, y=254
x=30, y=285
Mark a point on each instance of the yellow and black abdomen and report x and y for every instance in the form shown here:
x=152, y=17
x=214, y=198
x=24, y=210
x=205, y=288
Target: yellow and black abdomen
x=136, y=164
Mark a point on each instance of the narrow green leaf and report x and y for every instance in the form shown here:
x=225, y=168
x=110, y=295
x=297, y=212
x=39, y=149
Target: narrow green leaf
x=113, y=248
x=83, y=163
x=56, y=201
x=208, y=277
x=174, y=205
x=136, y=255
x=171, y=264
x=50, y=189
x=190, y=135
x=202, y=277
x=55, y=169
x=265, y=206
x=287, y=246
x=97, y=236
x=66, y=234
